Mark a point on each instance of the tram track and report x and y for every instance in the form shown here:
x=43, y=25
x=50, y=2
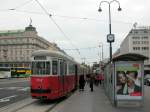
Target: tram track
x=17, y=105
x=43, y=106
x=31, y=105
x=37, y=106
x=34, y=105
x=51, y=107
x=16, y=110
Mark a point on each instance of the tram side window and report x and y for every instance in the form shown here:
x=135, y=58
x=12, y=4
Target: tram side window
x=71, y=68
x=47, y=68
x=55, y=67
x=61, y=68
x=65, y=68
x=40, y=68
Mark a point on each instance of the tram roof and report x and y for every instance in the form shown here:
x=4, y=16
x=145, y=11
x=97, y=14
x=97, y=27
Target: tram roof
x=52, y=53
x=130, y=57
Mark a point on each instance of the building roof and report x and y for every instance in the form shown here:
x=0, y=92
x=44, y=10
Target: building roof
x=19, y=31
x=130, y=57
x=12, y=31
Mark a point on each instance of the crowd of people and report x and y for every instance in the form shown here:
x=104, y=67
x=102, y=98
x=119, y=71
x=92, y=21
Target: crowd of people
x=91, y=80
x=128, y=83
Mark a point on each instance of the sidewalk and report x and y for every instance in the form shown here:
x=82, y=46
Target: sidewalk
x=87, y=101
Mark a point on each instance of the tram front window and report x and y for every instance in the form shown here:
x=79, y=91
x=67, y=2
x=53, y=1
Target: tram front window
x=41, y=68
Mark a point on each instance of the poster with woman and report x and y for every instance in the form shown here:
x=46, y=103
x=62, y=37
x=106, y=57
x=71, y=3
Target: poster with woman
x=128, y=81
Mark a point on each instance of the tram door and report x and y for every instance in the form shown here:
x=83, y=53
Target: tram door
x=61, y=79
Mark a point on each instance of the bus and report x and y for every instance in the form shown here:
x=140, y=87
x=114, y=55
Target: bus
x=20, y=72
x=5, y=73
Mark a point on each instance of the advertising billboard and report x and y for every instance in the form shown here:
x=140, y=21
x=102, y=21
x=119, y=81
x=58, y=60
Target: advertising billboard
x=128, y=81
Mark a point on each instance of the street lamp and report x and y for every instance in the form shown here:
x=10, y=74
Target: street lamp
x=110, y=36
x=101, y=45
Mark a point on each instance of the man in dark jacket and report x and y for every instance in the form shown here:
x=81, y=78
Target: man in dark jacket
x=81, y=82
x=91, y=83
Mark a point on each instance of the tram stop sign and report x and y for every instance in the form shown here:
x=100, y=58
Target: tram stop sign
x=110, y=38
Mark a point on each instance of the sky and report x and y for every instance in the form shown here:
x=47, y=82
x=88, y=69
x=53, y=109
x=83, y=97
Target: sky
x=76, y=24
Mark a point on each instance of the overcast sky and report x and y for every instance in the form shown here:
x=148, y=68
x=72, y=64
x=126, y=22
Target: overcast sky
x=84, y=27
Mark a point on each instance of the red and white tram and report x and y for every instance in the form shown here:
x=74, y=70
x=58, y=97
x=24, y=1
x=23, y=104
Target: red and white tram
x=54, y=74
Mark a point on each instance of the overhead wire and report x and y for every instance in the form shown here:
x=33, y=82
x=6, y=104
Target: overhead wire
x=65, y=16
x=21, y=5
x=62, y=16
x=50, y=16
x=28, y=12
x=86, y=48
x=85, y=59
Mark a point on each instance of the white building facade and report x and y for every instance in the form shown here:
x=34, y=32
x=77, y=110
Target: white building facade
x=16, y=46
x=138, y=41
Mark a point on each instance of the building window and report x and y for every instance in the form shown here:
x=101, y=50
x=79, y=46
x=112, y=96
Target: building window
x=27, y=40
x=135, y=37
x=145, y=31
x=145, y=48
x=20, y=52
x=136, y=42
x=136, y=32
x=144, y=42
x=136, y=48
x=27, y=52
x=144, y=37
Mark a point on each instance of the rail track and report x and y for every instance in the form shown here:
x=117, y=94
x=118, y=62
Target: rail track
x=32, y=105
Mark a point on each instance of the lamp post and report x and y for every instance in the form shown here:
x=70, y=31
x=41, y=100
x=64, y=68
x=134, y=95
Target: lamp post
x=101, y=45
x=110, y=36
x=83, y=60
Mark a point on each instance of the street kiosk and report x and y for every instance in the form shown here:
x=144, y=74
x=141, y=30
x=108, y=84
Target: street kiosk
x=123, y=79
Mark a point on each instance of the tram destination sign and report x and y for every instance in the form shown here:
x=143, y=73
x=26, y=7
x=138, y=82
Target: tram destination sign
x=40, y=58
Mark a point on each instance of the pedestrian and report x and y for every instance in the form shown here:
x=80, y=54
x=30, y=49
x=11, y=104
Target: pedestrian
x=81, y=82
x=91, y=83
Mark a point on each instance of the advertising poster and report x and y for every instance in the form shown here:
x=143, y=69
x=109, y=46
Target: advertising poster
x=128, y=81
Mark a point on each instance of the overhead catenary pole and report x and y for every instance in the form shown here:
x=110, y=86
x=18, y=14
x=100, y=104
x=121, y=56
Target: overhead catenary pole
x=102, y=54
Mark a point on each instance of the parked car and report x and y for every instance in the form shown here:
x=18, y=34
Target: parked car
x=147, y=76
x=147, y=81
